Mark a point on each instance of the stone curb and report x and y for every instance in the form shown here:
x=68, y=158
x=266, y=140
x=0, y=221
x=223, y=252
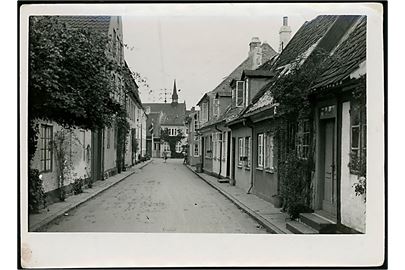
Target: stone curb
x=42, y=224
x=261, y=220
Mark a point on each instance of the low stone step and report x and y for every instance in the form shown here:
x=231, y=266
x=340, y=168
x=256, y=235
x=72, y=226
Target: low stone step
x=300, y=228
x=223, y=180
x=318, y=223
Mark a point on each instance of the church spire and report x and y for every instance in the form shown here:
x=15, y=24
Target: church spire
x=175, y=97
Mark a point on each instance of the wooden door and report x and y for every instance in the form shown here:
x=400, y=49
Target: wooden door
x=233, y=158
x=96, y=166
x=329, y=185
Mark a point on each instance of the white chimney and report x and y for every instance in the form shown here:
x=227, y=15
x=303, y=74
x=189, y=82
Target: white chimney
x=255, y=52
x=254, y=45
x=285, y=34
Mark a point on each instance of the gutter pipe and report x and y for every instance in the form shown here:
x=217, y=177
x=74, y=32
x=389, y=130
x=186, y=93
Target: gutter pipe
x=246, y=124
x=220, y=155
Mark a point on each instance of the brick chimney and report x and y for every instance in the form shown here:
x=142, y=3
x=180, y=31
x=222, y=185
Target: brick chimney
x=285, y=34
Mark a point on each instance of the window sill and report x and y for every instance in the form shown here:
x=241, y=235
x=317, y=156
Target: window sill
x=259, y=168
x=270, y=171
x=240, y=166
x=247, y=168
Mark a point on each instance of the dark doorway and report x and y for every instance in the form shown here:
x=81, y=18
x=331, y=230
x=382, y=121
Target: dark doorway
x=96, y=166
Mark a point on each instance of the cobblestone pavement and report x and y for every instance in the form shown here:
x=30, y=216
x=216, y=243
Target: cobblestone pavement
x=162, y=197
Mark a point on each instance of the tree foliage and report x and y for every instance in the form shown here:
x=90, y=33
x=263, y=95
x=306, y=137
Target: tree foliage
x=292, y=92
x=292, y=89
x=171, y=140
x=69, y=75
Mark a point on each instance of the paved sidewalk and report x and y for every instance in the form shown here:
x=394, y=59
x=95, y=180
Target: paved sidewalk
x=264, y=212
x=37, y=222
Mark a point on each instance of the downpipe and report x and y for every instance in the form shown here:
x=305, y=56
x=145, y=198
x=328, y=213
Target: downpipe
x=247, y=124
x=220, y=155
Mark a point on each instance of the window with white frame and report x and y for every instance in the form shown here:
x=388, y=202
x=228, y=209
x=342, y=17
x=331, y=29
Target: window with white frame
x=204, y=112
x=214, y=145
x=358, y=138
x=269, y=152
x=215, y=107
x=196, y=149
x=178, y=147
x=241, y=148
x=247, y=151
x=246, y=93
x=208, y=145
x=260, y=150
x=46, y=135
x=303, y=139
x=224, y=145
x=240, y=88
x=196, y=125
x=166, y=147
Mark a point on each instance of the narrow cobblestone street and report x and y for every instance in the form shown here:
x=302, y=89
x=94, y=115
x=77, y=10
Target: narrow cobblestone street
x=163, y=197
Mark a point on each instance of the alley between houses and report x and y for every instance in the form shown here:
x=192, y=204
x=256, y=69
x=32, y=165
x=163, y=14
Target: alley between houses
x=162, y=197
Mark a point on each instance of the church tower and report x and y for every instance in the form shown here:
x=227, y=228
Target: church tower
x=175, y=97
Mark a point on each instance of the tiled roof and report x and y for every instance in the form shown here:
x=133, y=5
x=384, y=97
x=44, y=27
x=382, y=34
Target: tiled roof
x=135, y=91
x=302, y=43
x=205, y=96
x=269, y=63
x=173, y=113
x=230, y=114
x=225, y=85
x=101, y=23
x=347, y=56
x=307, y=36
x=257, y=73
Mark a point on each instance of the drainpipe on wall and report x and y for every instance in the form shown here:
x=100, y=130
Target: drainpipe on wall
x=220, y=155
x=246, y=124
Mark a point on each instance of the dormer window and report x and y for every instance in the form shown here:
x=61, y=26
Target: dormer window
x=204, y=112
x=240, y=86
x=215, y=108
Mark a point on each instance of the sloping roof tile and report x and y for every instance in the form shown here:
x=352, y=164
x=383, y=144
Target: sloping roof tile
x=309, y=34
x=173, y=113
x=302, y=43
x=101, y=23
x=347, y=57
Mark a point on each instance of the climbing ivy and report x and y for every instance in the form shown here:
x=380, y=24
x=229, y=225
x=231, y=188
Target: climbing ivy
x=291, y=92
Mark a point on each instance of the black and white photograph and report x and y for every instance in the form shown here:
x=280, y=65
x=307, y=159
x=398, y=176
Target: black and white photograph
x=232, y=127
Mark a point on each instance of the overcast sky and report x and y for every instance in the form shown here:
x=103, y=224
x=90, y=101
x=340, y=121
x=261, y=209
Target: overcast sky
x=199, y=45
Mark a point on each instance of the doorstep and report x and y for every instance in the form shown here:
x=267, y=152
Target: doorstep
x=262, y=211
x=38, y=222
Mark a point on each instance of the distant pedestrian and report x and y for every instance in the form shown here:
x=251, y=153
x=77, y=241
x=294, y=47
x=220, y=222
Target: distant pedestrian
x=165, y=156
x=185, y=157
